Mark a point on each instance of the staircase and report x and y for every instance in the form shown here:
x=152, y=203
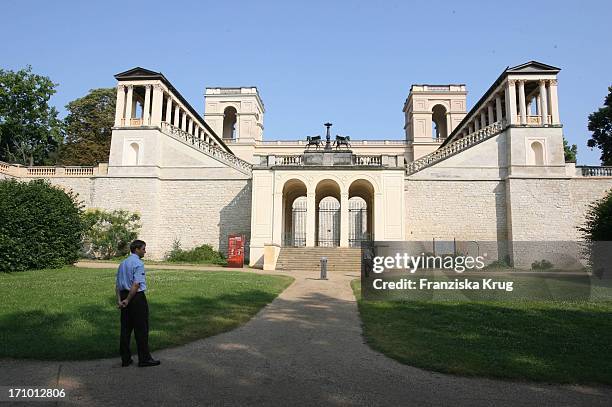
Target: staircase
x=339, y=259
x=455, y=147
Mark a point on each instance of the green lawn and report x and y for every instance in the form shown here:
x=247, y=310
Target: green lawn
x=567, y=342
x=70, y=313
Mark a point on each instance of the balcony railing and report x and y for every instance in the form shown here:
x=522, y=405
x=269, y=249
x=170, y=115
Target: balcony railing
x=368, y=160
x=591, y=171
x=18, y=170
x=455, y=147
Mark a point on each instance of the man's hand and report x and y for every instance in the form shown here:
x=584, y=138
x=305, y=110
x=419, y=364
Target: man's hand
x=123, y=303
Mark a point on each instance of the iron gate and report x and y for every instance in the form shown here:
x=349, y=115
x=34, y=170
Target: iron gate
x=297, y=236
x=329, y=227
x=358, y=232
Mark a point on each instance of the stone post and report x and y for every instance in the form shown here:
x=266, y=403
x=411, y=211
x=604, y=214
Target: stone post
x=543, y=101
x=498, y=108
x=554, y=102
x=490, y=114
x=522, y=109
x=158, y=103
x=146, y=109
x=310, y=219
x=177, y=115
x=129, y=104
x=120, y=106
x=511, y=101
x=344, y=219
x=169, y=110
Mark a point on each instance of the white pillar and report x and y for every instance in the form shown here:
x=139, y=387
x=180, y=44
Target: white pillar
x=483, y=119
x=543, y=101
x=379, y=217
x=169, y=110
x=490, y=113
x=344, y=219
x=120, y=106
x=146, y=109
x=449, y=124
x=511, y=101
x=129, y=105
x=529, y=103
x=277, y=218
x=158, y=104
x=183, y=120
x=554, y=101
x=310, y=219
x=498, y=108
x=470, y=128
x=177, y=115
x=522, y=109
x=476, y=123
x=190, y=126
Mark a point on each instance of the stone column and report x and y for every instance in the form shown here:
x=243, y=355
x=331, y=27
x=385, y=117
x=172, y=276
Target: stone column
x=498, y=108
x=277, y=218
x=177, y=115
x=169, y=110
x=158, y=104
x=146, y=108
x=120, y=106
x=190, y=126
x=543, y=101
x=310, y=219
x=490, y=114
x=470, y=128
x=554, y=101
x=183, y=120
x=476, y=124
x=129, y=104
x=522, y=109
x=344, y=219
x=483, y=119
x=511, y=101
x=449, y=124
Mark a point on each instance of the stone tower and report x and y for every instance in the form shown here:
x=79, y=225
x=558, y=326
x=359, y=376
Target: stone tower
x=235, y=114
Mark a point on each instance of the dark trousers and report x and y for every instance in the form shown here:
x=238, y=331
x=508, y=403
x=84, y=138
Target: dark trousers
x=135, y=317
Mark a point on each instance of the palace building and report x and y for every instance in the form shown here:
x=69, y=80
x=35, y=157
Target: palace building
x=493, y=172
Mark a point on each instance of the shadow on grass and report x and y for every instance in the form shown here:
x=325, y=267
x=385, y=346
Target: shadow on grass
x=548, y=341
x=92, y=331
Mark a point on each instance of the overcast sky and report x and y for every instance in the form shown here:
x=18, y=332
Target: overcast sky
x=351, y=63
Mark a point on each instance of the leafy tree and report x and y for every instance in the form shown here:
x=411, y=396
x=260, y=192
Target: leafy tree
x=597, y=233
x=570, y=152
x=29, y=128
x=600, y=123
x=108, y=234
x=40, y=226
x=88, y=128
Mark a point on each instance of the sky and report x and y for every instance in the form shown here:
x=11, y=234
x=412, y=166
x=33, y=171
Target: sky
x=348, y=62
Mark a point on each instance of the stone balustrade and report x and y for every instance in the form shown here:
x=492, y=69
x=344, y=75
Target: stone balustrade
x=297, y=160
x=207, y=148
x=455, y=147
x=594, y=171
x=17, y=170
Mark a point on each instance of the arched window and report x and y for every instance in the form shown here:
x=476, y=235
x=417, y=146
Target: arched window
x=438, y=122
x=229, y=122
x=133, y=154
x=537, y=153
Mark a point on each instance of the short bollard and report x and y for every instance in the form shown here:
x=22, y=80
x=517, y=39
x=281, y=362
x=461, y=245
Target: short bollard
x=323, y=268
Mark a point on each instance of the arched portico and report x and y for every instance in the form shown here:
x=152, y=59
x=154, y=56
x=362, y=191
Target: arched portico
x=294, y=213
x=327, y=216
x=360, y=212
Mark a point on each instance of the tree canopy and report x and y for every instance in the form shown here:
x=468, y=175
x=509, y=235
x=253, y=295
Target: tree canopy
x=30, y=131
x=600, y=123
x=88, y=128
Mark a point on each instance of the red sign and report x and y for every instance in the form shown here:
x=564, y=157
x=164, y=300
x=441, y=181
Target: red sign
x=235, y=251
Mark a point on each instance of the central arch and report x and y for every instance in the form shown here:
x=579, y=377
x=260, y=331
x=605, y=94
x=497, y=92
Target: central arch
x=361, y=212
x=327, y=216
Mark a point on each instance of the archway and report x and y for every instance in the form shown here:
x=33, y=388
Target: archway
x=294, y=213
x=537, y=153
x=229, y=123
x=361, y=212
x=438, y=122
x=327, y=217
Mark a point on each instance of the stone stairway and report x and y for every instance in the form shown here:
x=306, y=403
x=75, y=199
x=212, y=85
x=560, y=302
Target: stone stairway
x=339, y=259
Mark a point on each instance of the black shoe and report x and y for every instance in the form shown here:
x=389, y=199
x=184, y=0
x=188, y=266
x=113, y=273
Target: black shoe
x=126, y=363
x=150, y=362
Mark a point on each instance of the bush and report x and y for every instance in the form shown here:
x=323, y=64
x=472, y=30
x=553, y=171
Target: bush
x=200, y=254
x=108, y=234
x=597, y=232
x=40, y=226
x=541, y=265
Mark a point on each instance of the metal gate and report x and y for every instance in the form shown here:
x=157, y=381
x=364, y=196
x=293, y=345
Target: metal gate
x=329, y=227
x=296, y=237
x=358, y=221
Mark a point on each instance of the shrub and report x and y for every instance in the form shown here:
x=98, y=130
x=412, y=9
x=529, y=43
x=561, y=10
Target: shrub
x=108, y=234
x=597, y=232
x=40, y=226
x=541, y=265
x=200, y=254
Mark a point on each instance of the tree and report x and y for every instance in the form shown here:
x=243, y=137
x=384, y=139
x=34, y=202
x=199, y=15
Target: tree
x=108, y=234
x=29, y=128
x=40, y=227
x=570, y=152
x=600, y=123
x=597, y=233
x=88, y=128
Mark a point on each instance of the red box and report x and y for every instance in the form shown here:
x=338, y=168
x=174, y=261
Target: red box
x=235, y=251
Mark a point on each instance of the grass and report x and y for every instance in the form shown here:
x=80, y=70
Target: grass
x=552, y=341
x=70, y=313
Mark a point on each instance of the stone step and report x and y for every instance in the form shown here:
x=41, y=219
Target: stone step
x=339, y=259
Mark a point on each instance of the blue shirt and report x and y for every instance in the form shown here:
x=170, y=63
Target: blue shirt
x=130, y=271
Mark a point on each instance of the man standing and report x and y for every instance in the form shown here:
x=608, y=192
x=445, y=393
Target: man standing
x=131, y=299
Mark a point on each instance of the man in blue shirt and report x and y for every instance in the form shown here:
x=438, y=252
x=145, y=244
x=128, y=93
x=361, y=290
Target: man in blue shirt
x=131, y=299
